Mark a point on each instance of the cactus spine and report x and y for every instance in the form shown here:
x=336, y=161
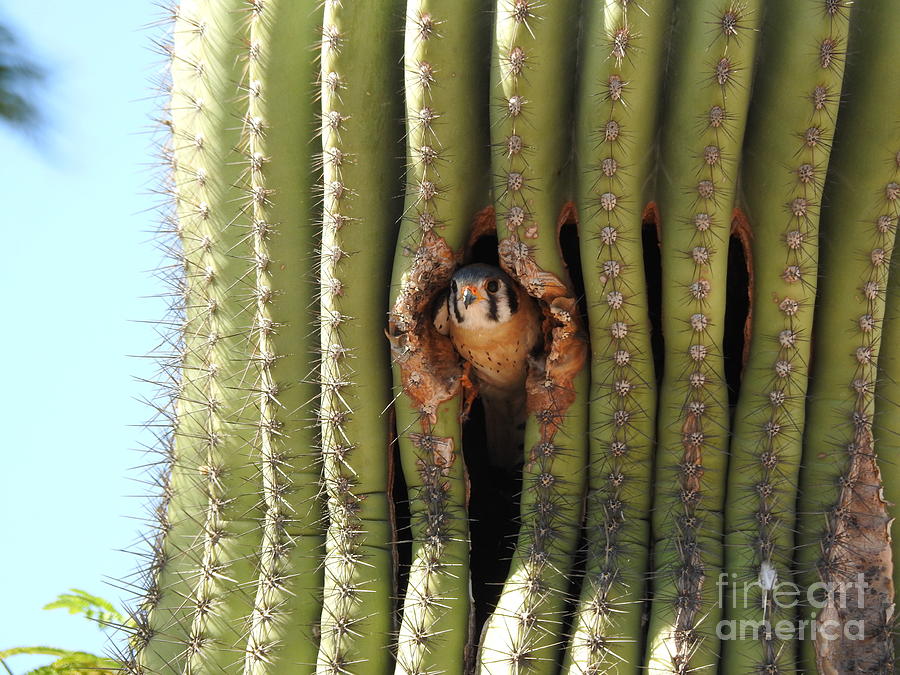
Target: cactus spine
x=623, y=52
x=790, y=128
x=709, y=84
x=359, y=143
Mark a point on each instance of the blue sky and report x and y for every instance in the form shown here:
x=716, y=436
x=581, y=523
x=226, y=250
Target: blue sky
x=78, y=258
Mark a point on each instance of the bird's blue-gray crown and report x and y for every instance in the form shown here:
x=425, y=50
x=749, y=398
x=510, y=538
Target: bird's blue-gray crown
x=481, y=293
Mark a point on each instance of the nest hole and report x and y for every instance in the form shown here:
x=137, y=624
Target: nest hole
x=494, y=493
x=570, y=247
x=484, y=250
x=737, y=313
x=493, y=517
x=653, y=278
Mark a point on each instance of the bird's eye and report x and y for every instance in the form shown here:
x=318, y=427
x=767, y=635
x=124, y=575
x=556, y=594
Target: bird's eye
x=493, y=286
x=453, y=286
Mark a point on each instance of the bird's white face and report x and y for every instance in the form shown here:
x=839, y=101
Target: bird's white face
x=481, y=296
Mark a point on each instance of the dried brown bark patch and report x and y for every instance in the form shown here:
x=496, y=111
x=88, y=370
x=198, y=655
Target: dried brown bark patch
x=431, y=371
x=855, y=624
x=551, y=378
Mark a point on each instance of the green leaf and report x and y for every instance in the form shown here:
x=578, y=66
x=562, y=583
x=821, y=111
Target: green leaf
x=93, y=607
x=69, y=662
x=40, y=651
x=17, y=79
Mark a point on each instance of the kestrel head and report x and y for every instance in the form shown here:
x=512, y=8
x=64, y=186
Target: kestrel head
x=481, y=296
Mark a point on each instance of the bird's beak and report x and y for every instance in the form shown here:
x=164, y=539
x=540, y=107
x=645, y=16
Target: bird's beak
x=470, y=295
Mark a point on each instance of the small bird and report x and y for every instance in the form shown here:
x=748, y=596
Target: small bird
x=495, y=326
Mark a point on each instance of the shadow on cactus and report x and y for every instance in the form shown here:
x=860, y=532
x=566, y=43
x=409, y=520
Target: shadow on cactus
x=693, y=205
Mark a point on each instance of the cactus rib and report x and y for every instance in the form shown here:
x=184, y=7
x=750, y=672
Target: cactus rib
x=843, y=522
x=220, y=598
x=713, y=49
x=615, y=126
x=359, y=142
x=278, y=129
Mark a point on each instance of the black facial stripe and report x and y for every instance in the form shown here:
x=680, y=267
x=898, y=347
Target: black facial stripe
x=511, y=297
x=492, y=309
x=452, y=306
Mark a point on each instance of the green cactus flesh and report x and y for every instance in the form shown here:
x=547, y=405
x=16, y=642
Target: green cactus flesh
x=333, y=163
x=360, y=131
x=786, y=152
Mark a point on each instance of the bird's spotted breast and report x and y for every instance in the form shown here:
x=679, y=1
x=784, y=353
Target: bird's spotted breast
x=494, y=325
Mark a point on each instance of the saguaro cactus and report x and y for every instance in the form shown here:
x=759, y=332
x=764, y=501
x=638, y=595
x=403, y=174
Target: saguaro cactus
x=638, y=168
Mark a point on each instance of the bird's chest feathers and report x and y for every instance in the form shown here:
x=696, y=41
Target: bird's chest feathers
x=497, y=351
